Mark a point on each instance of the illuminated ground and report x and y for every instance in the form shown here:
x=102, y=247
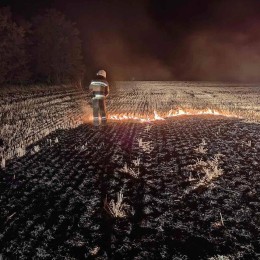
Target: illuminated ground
x=52, y=201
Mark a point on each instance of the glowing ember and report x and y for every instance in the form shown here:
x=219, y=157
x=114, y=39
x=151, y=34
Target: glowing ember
x=171, y=113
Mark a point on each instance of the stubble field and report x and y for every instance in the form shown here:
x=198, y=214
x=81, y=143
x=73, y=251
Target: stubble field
x=189, y=184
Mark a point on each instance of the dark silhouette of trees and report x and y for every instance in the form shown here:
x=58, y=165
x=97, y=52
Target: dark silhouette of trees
x=57, y=55
x=14, y=59
x=46, y=51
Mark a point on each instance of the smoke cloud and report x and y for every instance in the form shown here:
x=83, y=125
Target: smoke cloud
x=220, y=42
x=127, y=46
x=228, y=50
x=169, y=39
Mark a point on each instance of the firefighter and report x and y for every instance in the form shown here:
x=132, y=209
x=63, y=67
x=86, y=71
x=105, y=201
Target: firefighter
x=100, y=90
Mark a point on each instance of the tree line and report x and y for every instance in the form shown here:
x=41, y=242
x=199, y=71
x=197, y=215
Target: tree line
x=46, y=49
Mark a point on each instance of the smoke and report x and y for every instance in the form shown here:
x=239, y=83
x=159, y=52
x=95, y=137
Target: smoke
x=225, y=56
x=126, y=45
x=171, y=40
x=123, y=62
x=227, y=49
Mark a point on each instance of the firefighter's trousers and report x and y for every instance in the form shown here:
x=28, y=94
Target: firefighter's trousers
x=99, y=109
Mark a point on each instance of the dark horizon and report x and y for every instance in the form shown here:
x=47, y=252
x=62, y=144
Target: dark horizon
x=169, y=40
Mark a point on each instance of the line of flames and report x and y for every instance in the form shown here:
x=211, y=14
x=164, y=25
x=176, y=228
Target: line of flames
x=171, y=113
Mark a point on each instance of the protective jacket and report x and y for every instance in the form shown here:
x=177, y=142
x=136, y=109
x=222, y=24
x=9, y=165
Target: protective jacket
x=100, y=90
x=99, y=87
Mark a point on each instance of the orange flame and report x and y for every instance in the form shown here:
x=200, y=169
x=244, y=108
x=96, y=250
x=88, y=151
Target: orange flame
x=157, y=117
x=171, y=113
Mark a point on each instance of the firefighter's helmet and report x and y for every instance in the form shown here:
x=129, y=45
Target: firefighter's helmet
x=102, y=73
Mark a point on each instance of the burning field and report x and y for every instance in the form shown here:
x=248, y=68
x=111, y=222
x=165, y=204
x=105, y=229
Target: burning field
x=174, y=175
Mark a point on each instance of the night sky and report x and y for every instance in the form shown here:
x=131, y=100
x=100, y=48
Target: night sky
x=163, y=40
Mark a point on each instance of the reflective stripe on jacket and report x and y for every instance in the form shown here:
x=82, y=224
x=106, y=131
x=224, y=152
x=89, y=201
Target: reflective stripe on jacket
x=99, y=87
